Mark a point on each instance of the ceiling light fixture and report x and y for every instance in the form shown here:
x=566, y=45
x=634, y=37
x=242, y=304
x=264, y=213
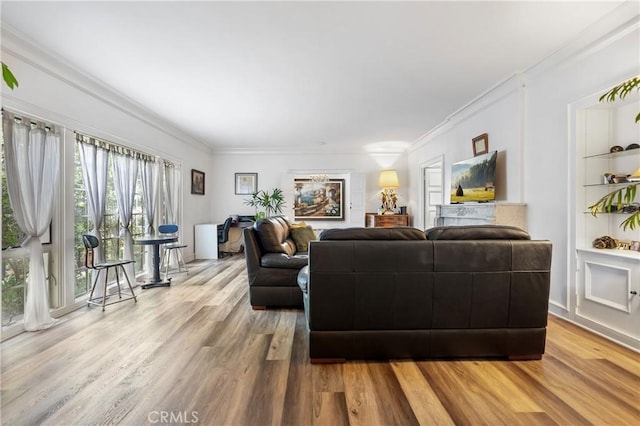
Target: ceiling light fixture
x=319, y=178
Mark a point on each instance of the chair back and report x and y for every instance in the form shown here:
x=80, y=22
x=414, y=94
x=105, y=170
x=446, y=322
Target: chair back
x=90, y=243
x=168, y=229
x=223, y=233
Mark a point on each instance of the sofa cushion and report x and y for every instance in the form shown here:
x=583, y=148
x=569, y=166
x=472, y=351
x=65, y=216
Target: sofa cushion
x=302, y=237
x=274, y=236
x=477, y=232
x=282, y=260
x=392, y=233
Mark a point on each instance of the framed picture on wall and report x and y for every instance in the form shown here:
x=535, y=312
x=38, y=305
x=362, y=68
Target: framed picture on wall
x=319, y=200
x=480, y=144
x=197, y=182
x=246, y=183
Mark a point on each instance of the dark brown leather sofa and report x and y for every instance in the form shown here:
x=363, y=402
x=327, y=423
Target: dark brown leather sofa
x=273, y=264
x=472, y=291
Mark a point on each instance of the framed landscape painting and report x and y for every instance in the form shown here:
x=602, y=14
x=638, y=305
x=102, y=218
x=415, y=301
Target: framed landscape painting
x=319, y=200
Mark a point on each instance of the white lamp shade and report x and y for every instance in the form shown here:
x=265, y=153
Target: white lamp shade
x=388, y=179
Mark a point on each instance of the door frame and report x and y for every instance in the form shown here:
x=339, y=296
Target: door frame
x=435, y=161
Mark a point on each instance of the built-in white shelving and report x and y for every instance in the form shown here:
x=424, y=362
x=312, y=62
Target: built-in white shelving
x=607, y=283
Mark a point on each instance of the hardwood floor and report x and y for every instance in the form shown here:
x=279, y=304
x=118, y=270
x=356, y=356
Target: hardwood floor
x=196, y=353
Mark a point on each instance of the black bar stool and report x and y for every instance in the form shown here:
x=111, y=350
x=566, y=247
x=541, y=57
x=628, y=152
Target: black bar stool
x=90, y=244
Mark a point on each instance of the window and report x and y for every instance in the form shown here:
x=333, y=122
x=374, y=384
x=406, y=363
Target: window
x=113, y=245
x=71, y=222
x=15, y=263
x=15, y=259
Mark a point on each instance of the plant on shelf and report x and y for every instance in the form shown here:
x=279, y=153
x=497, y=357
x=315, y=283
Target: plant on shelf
x=272, y=203
x=626, y=195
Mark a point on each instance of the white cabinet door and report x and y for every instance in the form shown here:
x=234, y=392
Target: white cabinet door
x=206, y=241
x=608, y=292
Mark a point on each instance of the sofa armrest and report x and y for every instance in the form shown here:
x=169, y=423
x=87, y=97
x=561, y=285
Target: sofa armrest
x=281, y=260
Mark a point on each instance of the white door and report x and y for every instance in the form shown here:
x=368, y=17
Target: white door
x=356, y=199
x=432, y=179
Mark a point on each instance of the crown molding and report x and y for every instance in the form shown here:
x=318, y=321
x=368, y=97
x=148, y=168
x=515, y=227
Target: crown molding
x=291, y=150
x=511, y=84
x=22, y=48
x=618, y=23
x=21, y=107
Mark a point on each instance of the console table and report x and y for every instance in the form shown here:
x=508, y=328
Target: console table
x=374, y=220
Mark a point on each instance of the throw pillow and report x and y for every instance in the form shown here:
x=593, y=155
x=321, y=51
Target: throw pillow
x=302, y=236
x=297, y=225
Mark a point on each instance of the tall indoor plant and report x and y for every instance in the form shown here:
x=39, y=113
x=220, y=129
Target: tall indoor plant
x=272, y=203
x=627, y=194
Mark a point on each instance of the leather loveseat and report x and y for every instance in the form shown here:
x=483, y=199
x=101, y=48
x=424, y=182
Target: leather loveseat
x=470, y=291
x=273, y=263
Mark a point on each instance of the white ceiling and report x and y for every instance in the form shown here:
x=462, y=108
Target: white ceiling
x=290, y=74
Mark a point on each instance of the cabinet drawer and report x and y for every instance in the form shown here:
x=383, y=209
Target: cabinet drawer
x=382, y=221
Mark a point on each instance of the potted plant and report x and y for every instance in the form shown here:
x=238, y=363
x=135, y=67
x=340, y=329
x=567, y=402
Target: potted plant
x=272, y=203
x=626, y=195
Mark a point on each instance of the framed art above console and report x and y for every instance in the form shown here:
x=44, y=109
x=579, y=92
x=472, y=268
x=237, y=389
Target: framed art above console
x=319, y=200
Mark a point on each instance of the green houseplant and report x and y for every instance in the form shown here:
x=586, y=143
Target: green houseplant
x=8, y=77
x=627, y=194
x=272, y=203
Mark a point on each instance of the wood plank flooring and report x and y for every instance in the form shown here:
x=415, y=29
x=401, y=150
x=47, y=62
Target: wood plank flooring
x=196, y=353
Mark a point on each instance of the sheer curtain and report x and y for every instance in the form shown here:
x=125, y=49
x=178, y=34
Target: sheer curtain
x=150, y=170
x=94, y=161
x=32, y=158
x=125, y=174
x=171, y=192
x=171, y=198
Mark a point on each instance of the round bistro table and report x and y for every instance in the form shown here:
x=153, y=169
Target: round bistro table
x=156, y=241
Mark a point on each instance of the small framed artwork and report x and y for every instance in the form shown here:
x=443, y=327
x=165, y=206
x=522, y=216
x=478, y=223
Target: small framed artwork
x=480, y=144
x=635, y=246
x=246, y=183
x=197, y=182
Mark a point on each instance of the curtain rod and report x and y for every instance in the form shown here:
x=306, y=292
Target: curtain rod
x=114, y=147
x=32, y=121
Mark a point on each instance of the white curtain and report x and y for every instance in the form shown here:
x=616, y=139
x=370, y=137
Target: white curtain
x=171, y=193
x=171, y=199
x=125, y=174
x=95, y=161
x=32, y=157
x=150, y=183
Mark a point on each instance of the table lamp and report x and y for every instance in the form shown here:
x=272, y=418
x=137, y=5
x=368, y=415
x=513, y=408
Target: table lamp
x=388, y=181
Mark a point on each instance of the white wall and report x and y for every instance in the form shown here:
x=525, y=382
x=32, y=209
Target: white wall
x=497, y=114
x=527, y=119
x=271, y=167
x=548, y=149
x=57, y=93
